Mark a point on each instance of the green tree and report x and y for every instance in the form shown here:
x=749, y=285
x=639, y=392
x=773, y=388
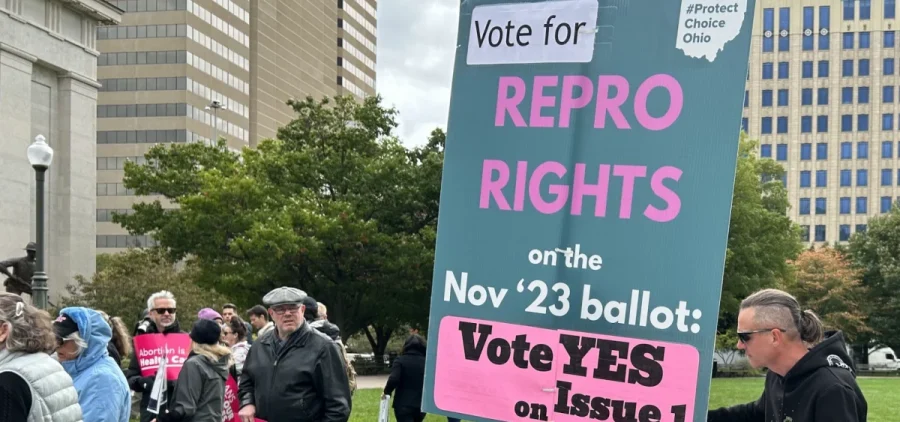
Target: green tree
x=827, y=283
x=124, y=281
x=335, y=206
x=876, y=252
x=761, y=237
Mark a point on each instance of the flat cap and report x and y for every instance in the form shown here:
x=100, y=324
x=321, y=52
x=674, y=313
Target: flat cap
x=284, y=296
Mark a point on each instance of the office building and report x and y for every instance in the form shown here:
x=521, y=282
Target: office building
x=822, y=100
x=190, y=70
x=48, y=86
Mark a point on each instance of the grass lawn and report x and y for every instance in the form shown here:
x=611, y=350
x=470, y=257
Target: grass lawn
x=880, y=393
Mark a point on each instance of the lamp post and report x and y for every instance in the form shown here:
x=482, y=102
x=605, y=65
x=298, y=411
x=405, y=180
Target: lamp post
x=215, y=106
x=40, y=155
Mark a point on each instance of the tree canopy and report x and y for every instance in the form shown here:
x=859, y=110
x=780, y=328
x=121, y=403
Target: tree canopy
x=335, y=206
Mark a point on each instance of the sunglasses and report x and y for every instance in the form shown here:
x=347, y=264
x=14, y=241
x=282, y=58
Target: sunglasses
x=744, y=336
x=165, y=310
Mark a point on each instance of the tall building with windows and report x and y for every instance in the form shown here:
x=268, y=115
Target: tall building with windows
x=822, y=99
x=190, y=70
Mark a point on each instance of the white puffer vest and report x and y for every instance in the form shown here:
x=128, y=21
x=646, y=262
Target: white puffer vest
x=53, y=397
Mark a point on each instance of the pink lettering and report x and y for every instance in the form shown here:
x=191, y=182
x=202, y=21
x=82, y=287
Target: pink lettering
x=610, y=96
x=599, y=191
x=666, y=194
x=628, y=174
x=521, y=176
x=494, y=188
x=561, y=191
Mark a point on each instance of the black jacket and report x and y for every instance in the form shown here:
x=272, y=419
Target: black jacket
x=199, y=391
x=304, y=381
x=327, y=328
x=408, y=375
x=820, y=387
x=144, y=385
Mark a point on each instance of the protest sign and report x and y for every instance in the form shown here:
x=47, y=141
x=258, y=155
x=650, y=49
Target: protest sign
x=149, y=350
x=232, y=405
x=585, y=204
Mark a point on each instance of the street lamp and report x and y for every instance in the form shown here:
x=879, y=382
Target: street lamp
x=215, y=106
x=40, y=155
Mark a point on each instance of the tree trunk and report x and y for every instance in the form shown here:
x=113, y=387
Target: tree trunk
x=378, y=337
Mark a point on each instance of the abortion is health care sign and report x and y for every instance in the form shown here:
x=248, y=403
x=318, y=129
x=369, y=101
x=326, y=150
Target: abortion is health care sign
x=150, y=349
x=585, y=205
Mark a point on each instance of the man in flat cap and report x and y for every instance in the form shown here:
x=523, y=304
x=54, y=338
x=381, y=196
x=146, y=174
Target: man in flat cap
x=293, y=373
x=19, y=281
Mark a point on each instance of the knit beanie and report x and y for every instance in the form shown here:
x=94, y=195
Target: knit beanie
x=208, y=313
x=206, y=332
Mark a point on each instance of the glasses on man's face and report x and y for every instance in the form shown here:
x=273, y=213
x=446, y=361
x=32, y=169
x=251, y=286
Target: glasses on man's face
x=281, y=310
x=161, y=311
x=745, y=336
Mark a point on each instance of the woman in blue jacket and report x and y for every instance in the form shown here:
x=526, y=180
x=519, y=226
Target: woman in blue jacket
x=83, y=336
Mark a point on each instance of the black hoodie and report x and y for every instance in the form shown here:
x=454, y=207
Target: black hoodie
x=820, y=387
x=408, y=374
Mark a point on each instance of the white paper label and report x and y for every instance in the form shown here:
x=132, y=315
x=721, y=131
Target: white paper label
x=705, y=26
x=545, y=32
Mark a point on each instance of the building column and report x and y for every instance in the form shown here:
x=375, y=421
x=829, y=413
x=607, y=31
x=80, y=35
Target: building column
x=16, y=212
x=73, y=216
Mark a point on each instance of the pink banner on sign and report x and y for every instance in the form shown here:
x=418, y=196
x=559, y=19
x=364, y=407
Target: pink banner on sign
x=149, y=350
x=232, y=405
x=515, y=372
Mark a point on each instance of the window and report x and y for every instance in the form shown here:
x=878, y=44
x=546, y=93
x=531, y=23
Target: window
x=765, y=150
x=805, y=178
x=782, y=124
x=807, y=69
x=890, y=10
x=844, y=232
x=806, y=151
x=848, y=41
x=887, y=94
x=862, y=205
x=885, y=204
x=766, y=99
x=863, y=67
x=821, y=151
x=805, y=124
x=821, y=178
x=847, y=123
x=781, y=152
x=823, y=68
x=846, y=178
x=862, y=149
x=820, y=206
x=862, y=96
x=804, y=233
x=746, y=99
x=847, y=67
x=864, y=40
x=847, y=95
x=804, y=206
x=846, y=150
x=887, y=177
x=887, y=149
x=822, y=123
x=865, y=9
x=806, y=96
x=888, y=66
x=767, y=69
x=887, y=121
x=825, y=23
x=768, y=25
x=766, y=125
x=745, y=124
x=849, y=9
x=860, y=228
x=823, y=96
x=784, y=24
x=862, y=123
x=845, y=205
x=808, y=16
x=783, y=70
x=862, y=177
x=145, y=136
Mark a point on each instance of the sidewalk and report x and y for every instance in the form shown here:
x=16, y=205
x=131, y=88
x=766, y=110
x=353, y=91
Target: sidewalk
x=371, y=381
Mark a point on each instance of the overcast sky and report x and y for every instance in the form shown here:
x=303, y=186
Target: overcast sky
x=416, y=40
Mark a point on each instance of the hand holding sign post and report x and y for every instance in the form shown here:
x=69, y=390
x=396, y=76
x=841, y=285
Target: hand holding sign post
x=585, y=204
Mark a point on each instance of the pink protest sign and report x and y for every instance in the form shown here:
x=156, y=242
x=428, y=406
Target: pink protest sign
x=232, y=405
x=150, y=348
x=510, y=372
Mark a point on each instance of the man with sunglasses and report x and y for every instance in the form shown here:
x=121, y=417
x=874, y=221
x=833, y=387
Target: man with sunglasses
x=811, y=377
x=293, y=373
x=162, y=317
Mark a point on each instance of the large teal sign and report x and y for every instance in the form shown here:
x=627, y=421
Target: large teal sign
x=585, y=204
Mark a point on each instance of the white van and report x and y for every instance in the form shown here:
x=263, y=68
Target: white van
x=883, y=359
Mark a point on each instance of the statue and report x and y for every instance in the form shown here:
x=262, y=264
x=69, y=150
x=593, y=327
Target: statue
x=19, y=281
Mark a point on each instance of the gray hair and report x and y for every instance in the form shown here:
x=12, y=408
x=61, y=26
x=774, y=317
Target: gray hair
x=778, y=309
x=80, y=344
x=30, y=329
x=162, y=294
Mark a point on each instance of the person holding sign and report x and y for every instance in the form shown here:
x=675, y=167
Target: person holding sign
x=162, y=321
x=295, y=375
x=810, y=378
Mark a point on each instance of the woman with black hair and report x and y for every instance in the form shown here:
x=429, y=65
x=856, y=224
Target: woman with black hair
x=407, y=378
